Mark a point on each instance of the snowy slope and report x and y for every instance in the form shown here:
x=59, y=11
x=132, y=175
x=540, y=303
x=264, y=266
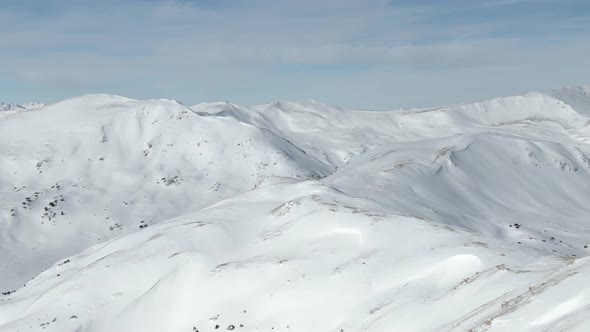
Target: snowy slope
x=296, y=216
x=91, y=168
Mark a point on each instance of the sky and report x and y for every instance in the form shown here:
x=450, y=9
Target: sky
x=370, y=54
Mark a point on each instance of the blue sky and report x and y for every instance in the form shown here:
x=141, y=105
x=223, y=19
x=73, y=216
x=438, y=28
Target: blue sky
x=379, y=54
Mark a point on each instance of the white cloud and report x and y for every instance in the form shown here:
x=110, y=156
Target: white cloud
x=262, y=48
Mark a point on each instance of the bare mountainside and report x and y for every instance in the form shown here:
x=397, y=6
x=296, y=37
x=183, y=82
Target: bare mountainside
x=147, y=215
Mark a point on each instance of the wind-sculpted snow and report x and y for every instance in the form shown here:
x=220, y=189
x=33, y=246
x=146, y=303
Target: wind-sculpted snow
x=132, y=215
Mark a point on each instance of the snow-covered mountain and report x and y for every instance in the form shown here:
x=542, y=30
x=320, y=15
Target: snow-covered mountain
x=19, y=107
x=146, y=215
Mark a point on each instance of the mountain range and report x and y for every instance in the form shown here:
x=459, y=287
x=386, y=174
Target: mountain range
x=148, y=215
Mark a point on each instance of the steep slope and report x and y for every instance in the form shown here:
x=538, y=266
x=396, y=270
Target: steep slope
x=460, y=218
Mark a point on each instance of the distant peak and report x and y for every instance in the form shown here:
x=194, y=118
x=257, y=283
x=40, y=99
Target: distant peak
x=20, y=107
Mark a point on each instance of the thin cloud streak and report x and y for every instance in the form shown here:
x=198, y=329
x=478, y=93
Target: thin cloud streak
x=264, y=50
